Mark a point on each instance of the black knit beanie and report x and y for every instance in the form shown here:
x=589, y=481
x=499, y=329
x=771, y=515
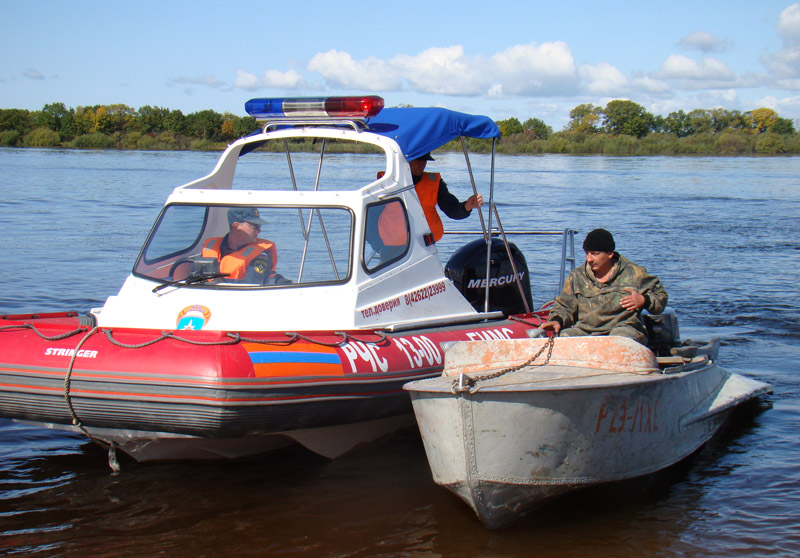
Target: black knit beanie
x=599, y=240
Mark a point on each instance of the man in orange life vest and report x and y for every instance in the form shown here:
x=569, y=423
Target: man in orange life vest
x=432, y=191
x=241, y=254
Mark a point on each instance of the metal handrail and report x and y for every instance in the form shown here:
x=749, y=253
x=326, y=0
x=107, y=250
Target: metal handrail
x=355, y=124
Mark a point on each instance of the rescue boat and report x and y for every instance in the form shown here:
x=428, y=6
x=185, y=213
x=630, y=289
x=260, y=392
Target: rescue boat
x=189, y=361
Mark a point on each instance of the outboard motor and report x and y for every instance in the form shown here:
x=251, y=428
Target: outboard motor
x=467, y=270
x=662, y=330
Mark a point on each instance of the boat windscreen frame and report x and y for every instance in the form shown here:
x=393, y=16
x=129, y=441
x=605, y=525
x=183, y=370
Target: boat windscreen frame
x=341, y=276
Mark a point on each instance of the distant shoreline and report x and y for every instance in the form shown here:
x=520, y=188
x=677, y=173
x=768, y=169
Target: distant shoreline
x=621, y=128
x=729, y=144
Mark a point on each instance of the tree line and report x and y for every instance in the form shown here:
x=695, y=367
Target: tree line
x=622, y=127
x=120, y=126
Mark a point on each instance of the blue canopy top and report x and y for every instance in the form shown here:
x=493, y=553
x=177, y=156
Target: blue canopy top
x=420, y=130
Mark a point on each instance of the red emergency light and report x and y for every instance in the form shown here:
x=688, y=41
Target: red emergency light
x=295, y=107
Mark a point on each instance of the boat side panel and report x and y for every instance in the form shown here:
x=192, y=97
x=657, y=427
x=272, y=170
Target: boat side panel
x=215, y=384
x=505, y=451
x=587, y=436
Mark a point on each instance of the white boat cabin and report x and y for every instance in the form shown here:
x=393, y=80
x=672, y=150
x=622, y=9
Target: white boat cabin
x=312, y=179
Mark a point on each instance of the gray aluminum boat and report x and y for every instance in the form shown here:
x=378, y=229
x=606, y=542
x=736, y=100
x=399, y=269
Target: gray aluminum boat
x=512, y=423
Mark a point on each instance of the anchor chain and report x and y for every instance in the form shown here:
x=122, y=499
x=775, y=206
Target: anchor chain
x=464, y=383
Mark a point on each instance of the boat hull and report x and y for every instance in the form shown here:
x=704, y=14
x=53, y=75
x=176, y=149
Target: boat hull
x=182, y=394
x=509, y=444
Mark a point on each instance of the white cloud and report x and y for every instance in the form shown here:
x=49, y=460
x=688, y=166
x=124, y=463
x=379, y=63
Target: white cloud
x=272, y=79
x=290, y=79
x=790, y=84
x=650, y=85
x=703, y=41
x=785, y=105
x=31, y=73
x=245, y=80
x=786, y=62
x=532, y=69
x=770, y=101
x=708, y=73
x=699, y=100
x=789, y=24
x=340, y=71
x=604, y=79
x=509, y=80
x=443, y=71
x=546, y=69
x=495, y=91
x=207, y=80
x=676, y=66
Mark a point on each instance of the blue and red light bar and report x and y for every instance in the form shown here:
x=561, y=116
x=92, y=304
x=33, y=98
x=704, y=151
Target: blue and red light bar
x=294, y=107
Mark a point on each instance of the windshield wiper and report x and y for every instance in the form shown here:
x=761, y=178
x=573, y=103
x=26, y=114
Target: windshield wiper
x=199, y=278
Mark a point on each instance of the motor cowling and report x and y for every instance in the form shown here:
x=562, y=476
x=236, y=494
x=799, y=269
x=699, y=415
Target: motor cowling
x=662, y=330
x=467, y=270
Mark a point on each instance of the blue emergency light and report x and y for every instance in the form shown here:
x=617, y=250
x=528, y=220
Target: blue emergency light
x=294, y=107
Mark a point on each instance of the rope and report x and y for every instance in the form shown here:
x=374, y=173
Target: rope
x=233, y=338
x=42, y=335
x=112, y=447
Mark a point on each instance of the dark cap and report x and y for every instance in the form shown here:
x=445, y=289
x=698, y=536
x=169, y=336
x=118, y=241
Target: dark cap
x=599, y=240
x=426, y=157
x=244, y=215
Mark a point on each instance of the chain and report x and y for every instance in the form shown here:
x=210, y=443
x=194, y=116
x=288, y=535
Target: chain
x=464, y=383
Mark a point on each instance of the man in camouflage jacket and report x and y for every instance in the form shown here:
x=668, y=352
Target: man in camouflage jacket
x=606, y=295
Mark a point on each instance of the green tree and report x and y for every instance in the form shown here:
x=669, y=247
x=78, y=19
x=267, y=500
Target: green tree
x=699, y=121
x=658, y=123
x=205, y=124
x=114, y=118
x=85, y=120
x=783, y=126
x=585, y=119
x=536, y=128
x=761, y=120
x=245, y=126
x=676, y=123
x=723, y=119
x=42, y=137
x=228, y=128
x=151, y=120
x=175, y=122
x=623, y=117
x=10, y=138
x=19, y=120
x=509, y=127
x=53, y=116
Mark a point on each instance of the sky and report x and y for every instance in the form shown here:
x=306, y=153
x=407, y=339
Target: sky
x=523, y=59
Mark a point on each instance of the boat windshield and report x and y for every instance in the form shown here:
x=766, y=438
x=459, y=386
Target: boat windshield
x=247, y=246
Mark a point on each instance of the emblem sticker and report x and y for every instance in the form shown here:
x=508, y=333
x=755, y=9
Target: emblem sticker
x=261, y=266
x=193, y=317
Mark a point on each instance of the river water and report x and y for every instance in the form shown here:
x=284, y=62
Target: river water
x=723, y=234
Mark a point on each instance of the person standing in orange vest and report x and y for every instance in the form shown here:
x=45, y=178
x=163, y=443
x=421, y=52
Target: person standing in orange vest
x=242, y=255
x=432, y=191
